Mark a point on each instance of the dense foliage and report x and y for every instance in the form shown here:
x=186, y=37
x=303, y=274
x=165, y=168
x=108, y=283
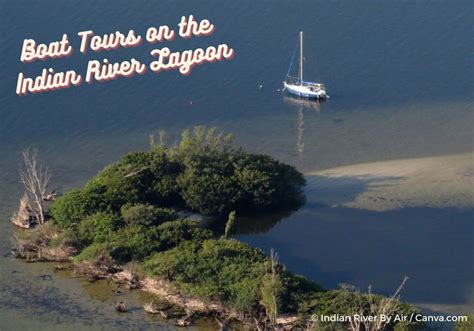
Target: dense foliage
x=216, y=269
x=202, y=173
x=129, y=212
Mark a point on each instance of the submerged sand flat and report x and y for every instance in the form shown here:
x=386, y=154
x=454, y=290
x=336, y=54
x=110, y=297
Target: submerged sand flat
x=440, y=181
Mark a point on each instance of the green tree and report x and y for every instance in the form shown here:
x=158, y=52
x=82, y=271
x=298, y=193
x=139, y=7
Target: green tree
x=147, y=215
x=71, y=208
x=207, y=185
x=267, y=184
x=98, y=228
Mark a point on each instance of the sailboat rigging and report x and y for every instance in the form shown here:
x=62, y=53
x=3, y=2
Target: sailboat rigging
x=297, y=86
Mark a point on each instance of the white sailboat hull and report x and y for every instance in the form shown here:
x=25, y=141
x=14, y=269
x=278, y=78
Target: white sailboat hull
x=299, y=87
x=305, y=91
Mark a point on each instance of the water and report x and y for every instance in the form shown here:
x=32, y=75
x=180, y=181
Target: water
x=400, y=79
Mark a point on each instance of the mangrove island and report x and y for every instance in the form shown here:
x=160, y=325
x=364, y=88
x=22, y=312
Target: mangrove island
x=129, y=224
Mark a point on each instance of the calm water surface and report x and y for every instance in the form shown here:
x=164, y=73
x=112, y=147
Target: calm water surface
x=400, y=78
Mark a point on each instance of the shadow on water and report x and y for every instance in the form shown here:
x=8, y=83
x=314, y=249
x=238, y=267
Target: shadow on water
x=259, y=224
x=343, y=189
x=333, y=244
x=255, y=223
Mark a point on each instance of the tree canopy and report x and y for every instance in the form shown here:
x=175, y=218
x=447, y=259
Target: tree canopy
x=202, y=173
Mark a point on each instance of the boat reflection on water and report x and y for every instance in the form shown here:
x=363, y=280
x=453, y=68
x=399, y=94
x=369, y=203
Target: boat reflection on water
x=301, y=105
x=304, y=103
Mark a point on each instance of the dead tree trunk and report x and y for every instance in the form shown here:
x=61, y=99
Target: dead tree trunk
x=22, y=218
x=35, y=178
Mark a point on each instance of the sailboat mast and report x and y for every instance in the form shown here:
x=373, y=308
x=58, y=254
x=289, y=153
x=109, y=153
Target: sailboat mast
x=301, y=56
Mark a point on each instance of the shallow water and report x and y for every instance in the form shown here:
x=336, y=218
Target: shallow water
x=400, y=79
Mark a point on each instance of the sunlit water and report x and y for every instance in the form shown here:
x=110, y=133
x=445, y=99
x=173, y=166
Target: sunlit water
x=400, y=79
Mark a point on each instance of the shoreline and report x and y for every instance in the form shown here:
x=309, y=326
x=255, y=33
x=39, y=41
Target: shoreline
x=192, y=307
x=438, y=181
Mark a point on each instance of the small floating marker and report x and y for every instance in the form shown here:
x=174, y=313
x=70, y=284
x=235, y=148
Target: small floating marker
x=260, y=86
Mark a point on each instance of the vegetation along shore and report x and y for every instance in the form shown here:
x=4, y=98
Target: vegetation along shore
x=129, y=224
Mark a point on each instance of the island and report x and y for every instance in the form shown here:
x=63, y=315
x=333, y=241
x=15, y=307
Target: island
x=130, y=223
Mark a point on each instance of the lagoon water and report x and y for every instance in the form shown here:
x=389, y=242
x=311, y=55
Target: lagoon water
x=400, y=79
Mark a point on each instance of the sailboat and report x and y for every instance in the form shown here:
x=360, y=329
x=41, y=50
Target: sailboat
x=297, y=86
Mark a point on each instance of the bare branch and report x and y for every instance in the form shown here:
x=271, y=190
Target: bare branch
x=36, y=179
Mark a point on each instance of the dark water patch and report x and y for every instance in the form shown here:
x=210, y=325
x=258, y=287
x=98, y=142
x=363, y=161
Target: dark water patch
x=40, y=300
x=345, y=245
